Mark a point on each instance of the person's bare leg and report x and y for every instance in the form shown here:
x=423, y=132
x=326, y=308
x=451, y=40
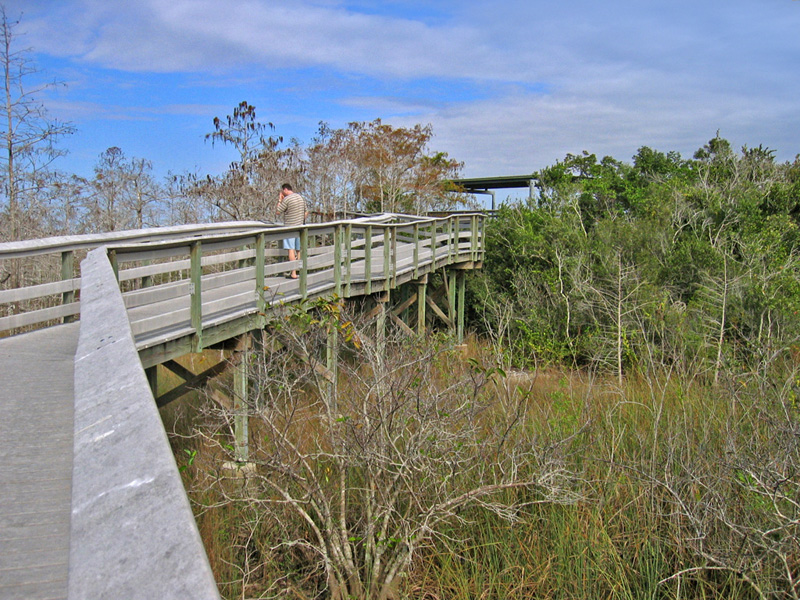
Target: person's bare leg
x=293, y=257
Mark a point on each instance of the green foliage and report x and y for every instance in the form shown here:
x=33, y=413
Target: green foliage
x=669, y=262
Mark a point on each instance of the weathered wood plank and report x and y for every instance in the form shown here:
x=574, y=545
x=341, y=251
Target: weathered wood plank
x=36, y=417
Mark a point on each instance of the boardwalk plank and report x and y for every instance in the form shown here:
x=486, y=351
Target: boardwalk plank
x=36, y=418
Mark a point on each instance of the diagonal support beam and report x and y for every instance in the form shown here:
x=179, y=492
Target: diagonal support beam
x=179, y=370
x=439, y=312
x=404, y=305
x=403, y=327
x=192, y=382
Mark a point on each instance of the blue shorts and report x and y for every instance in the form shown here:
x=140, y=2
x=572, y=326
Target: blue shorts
x=291, y=244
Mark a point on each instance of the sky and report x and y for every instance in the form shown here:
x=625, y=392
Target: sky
x=508, y=86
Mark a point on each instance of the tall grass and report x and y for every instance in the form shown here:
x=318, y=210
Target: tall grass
x=685, y=490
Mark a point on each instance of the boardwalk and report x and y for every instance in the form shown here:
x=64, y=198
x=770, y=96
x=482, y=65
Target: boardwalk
x=91, y=503
x=36, y=462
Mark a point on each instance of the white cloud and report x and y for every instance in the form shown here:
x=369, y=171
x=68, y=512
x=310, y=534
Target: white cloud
x=193, y=35
x=611, y=77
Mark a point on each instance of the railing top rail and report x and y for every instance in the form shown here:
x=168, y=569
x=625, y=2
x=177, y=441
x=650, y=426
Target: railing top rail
x=66, y=243
x=176, y=236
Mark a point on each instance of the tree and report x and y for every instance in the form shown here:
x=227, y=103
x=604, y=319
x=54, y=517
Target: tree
x=359, y=475
x=332, y=172
x=124, y=194
x=249, y=188
x=396, y=173
x=667, y=263
x=29, y=135
x=374, y=167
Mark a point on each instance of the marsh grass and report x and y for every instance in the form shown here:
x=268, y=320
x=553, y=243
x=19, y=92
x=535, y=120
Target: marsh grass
x=687, y=490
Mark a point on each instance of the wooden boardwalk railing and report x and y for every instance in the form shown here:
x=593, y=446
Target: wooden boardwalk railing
x=190, y=288
x=182, y=289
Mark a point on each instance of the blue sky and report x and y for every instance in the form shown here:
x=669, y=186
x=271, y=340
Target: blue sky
x=509, y=86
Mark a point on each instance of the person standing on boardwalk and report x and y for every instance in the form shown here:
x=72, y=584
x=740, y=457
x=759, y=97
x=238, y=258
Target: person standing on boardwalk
x=292, y=211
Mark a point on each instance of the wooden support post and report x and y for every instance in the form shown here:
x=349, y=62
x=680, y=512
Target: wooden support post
x=461, y=278
x=450, y=277
x=68, y=272
x=332, y=361
x=240, y=405
x=422, y=294
x=152, y=379
x=380, y=330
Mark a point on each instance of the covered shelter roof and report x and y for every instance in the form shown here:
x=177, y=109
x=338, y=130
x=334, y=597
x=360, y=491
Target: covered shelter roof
x=484, y=185
x=477, y=184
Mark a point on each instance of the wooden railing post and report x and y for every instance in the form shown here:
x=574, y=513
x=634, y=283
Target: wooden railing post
x=304, y=263
x=337, y=260
x=147, y=280
x=482, y=232
x=348, y=233
x=387, y=257
x=434, y=241
x=112, y=258
x=474, y=238
x=195, y=293
x=416, y=250
x=368, y=258
x=452, y=240
x=68, y=272
x=261, y=300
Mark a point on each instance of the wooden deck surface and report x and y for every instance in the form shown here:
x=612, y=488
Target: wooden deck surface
x=159, y=322
x=36, y=429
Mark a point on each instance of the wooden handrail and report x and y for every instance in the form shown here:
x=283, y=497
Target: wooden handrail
x=160, y=260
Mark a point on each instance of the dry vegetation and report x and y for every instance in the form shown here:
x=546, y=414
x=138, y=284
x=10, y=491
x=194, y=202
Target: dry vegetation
x=476, y=482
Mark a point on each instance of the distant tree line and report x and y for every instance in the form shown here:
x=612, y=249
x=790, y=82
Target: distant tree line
x=363, y=167
x=691, y=264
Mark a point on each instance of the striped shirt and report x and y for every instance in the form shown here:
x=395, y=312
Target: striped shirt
x=293, y=209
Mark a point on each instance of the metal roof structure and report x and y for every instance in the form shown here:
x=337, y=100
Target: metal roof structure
x=485, y=185
x=495, y=183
